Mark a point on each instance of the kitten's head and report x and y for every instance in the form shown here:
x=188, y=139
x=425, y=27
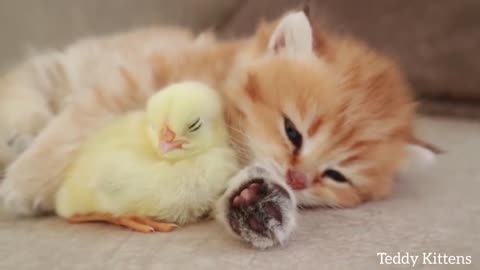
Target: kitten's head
x=332, y=115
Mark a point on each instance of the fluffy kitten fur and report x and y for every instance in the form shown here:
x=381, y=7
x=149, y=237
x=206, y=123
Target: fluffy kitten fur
x=351, y=105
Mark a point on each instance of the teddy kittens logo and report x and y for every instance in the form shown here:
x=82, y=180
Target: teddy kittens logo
x=425, y=258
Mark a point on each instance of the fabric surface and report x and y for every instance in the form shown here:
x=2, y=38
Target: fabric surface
x=28, y=26
x=436, y=42
x=434, y=211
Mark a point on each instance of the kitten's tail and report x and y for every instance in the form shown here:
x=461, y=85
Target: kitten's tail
x=420, y=156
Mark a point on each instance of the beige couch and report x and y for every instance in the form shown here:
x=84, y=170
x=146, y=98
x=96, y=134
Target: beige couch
x=34, y=26
x=432, y=211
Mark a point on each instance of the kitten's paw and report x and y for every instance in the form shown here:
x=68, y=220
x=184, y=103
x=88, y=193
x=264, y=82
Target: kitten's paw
x=14, y=202
x=259, y=208
x=23, y=196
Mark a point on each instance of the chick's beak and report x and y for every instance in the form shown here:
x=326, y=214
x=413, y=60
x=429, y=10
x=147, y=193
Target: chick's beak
x=168, y=142
x=166, y=147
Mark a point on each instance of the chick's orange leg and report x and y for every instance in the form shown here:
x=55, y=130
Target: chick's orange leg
x=138, y=224
x=158, y=226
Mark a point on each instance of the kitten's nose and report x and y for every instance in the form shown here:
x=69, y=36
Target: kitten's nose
x=297, y=180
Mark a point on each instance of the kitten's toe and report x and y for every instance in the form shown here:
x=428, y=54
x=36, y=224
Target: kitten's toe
x=22, y=201
x=261, y=211
x=15, y=203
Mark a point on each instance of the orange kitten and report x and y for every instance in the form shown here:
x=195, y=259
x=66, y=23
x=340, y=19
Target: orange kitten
x=323, y=120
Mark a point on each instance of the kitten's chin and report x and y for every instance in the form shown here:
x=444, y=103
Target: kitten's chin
x=306, y=199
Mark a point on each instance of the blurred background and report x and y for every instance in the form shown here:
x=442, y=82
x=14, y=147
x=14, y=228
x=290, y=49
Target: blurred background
x=436, y=42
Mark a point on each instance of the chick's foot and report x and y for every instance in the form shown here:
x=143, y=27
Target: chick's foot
x=139, y=224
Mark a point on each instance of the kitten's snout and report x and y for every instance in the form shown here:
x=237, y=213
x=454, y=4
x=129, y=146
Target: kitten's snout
x=296, y=179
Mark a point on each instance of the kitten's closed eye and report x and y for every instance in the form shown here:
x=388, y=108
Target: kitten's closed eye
x=293, y=134
x=335, y=176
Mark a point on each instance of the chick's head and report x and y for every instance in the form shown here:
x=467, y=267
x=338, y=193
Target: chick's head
x=185, y=119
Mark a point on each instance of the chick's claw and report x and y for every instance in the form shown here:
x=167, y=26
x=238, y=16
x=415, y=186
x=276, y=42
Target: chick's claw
x=157, y=226
x=139, y=224
x=133, y=224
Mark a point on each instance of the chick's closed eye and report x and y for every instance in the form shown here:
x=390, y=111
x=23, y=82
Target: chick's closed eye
x=196, y=125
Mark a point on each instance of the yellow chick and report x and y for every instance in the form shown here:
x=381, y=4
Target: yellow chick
x=151, y=169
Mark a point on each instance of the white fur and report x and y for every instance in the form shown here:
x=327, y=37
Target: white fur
x=293, y=35
x=418, y=158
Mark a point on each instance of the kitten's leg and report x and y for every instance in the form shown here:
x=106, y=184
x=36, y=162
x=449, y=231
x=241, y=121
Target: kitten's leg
x=258, y=207
x=31, y=181
x=23, y=113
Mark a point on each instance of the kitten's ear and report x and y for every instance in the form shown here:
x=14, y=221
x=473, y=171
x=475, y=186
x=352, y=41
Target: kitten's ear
x=293, y=35
x=420, y=155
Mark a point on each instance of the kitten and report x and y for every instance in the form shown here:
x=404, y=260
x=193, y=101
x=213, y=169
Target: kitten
x=328, y=119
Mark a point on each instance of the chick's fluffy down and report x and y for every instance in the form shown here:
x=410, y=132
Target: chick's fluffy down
x=118, y=172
